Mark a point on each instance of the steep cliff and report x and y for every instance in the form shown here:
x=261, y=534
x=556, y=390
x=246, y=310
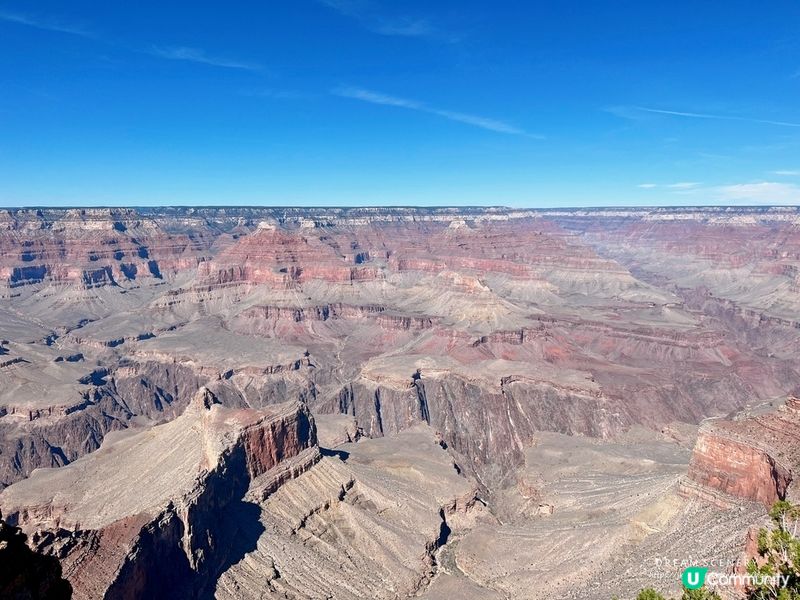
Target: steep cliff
x=754, y=458
x=54, y=411
x=91, y=248
x=148, y=514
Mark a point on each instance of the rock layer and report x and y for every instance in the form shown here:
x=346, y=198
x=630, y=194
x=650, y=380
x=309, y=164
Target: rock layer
x=149, y=510
x=754, y=458
x=456, y=338
x=569, y=321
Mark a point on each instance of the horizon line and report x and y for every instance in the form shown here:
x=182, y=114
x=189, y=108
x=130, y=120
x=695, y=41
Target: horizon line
x=401, y=206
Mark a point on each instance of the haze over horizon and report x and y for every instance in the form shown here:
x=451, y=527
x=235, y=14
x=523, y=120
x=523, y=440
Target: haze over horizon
x=361, y=102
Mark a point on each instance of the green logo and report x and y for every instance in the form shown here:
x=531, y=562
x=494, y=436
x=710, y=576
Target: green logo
x=694, y=577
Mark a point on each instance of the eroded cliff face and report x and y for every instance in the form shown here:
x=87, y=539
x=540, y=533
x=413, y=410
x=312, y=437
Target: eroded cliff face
x=754, y=458
x=365, y=522
x=488, y=324
x=239, y=503
x=738, y=469
x=91, y=248
x=149, y=514
x=457, y=339
x=42, y=432
x=487, y=425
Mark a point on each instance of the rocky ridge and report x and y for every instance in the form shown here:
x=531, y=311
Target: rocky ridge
x=150, y=510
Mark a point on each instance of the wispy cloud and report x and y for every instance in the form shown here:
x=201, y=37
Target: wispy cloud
x=758, y=192
x=684, y=185
x=637, y=112
x=406, y=27
x=469, y=119
x=678, y=187
x=278, y=94
x=377, y=98
x=45, y=23
x=762, y=192
x=624, y=112
x=197, y=55
x=790, y=173
x=369, y=16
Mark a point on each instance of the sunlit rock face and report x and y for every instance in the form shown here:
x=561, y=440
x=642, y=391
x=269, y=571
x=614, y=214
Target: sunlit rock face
x=754, y=458
x=154, y=503
x=488, y=324
x=90, y=248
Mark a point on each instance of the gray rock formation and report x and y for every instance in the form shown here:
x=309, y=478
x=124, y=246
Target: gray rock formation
x=483, y=378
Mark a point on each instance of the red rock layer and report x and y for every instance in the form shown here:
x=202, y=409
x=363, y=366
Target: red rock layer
x=91, y=248
x=754, y=459
x=287, y=257
x=282, y=258
x=176, y=547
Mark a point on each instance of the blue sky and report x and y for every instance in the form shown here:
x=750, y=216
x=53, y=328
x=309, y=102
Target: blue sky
x=359, y=102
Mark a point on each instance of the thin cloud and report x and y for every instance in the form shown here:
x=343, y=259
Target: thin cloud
x=277, y=94
x=759, y=192
x=406, y=28
x=680, y=187
x=762, y=192
x=684, y=185
x=625, y=112
x=482, y=122
x=45, y=24
x=468, y=119
x=377, y=98
x=197, y=55
x=787, y=173
x=167, y=52
x=368, y=16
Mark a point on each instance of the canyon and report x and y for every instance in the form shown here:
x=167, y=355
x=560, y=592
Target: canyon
x=253, y=402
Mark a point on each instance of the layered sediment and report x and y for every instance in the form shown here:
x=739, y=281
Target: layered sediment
x=439, y=347
x=754, y=458
x=148, y=510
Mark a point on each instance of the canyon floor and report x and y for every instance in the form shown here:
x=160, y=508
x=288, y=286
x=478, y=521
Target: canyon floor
x=395, y=403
